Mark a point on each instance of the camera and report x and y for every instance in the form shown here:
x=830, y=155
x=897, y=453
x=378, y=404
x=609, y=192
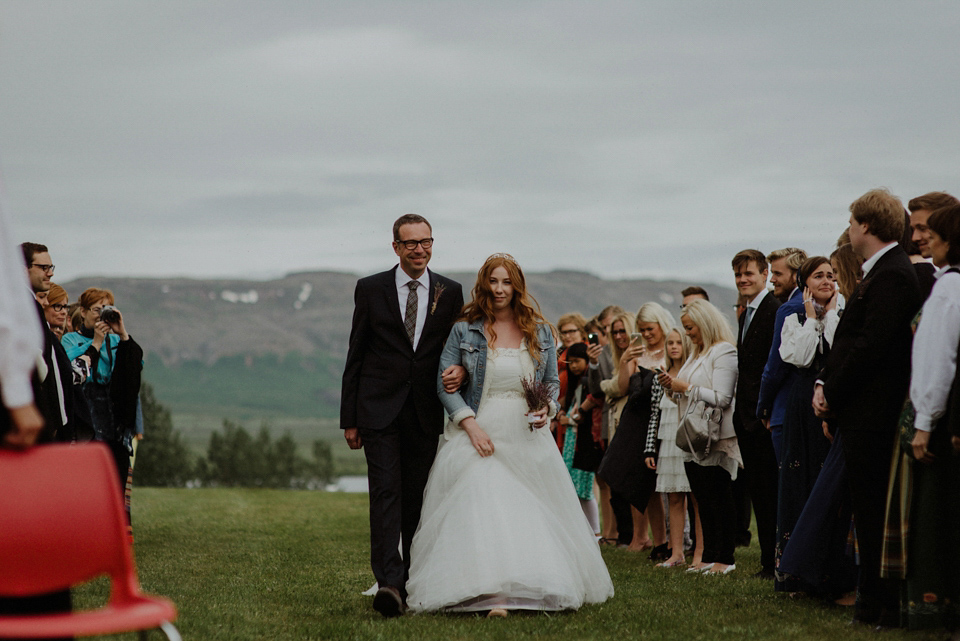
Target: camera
x=109, y=314
x=593, y=339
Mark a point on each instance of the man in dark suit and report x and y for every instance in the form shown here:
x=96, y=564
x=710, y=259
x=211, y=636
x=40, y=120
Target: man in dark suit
x=389, y=403
x=55, y=396
x=754, y=336
x=864, y=383
x=778, y=377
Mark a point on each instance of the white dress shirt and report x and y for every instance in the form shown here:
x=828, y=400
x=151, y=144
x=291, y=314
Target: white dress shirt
x=751, y=310
x=20, y=339
x=800, y=343
x=868, y=264
x=423, y=299
x=935, y=351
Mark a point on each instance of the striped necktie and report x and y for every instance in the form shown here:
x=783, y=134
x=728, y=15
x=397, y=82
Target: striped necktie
x=410, y=318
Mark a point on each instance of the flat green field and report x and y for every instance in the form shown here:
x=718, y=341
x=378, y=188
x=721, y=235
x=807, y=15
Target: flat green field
x=276, y=564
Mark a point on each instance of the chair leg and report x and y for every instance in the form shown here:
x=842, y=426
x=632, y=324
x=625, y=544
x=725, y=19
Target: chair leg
x=168, y=630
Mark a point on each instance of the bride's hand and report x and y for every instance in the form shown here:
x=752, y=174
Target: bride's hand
x=481, y=442
x=541, y=416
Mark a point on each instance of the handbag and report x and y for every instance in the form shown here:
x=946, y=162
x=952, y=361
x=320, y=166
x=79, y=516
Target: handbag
x=699, y=427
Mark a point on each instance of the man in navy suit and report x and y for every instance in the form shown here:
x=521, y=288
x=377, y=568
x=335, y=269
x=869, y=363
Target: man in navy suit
x=864, y=383
x=389, y=404
x=778, y=377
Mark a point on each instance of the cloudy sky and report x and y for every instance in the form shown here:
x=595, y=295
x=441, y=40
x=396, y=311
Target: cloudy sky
x=251, y=138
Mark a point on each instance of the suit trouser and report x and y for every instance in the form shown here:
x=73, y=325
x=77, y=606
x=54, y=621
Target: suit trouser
x=624, y=516
x=761, y=475
x=398, y=464
x=712, y=488
x=867, y=456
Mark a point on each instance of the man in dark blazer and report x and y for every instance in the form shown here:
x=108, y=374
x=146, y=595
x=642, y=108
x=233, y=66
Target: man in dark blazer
x=754, y=337
x=389, y=403
x=864, y=383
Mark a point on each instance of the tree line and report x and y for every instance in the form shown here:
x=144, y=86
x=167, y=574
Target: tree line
x=234, y=457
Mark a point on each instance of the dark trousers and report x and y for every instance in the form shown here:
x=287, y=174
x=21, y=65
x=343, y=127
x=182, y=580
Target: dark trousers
x=761, y=474
x=624, y=515
x=867, y=457
x=398, y=464
x=41, y=604
x=712, y=488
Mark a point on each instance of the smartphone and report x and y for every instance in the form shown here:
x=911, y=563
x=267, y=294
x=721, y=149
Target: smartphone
x=592, y=339
x=636, y=338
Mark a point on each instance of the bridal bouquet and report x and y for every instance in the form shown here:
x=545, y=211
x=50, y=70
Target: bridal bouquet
x=537, y=395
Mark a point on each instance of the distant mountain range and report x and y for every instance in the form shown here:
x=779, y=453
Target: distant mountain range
x=277, y=347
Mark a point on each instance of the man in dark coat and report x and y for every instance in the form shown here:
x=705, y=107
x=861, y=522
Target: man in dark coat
x=389, y=403
x=864, y=383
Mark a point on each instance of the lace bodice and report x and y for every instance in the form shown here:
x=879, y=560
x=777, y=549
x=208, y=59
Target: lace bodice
x=505, y=367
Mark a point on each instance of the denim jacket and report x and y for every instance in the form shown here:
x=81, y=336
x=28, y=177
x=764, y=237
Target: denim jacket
x=467, y=346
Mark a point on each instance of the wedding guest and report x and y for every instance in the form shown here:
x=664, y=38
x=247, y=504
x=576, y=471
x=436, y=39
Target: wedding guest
x=55, y=310
x=664, y=457
x=692, y=293
x=846, y=267
x=864, y=383
x=111, y=393
x=710, y=374
x=754, y=339
x=805, y=342
x=778, y=378
x=932, y=589
x=572, y=329
x=622, y=466
x=579, y=410
x=602, y=368
x=621, y=326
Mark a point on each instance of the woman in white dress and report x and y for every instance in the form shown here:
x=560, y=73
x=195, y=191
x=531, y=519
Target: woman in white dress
x=501, y=526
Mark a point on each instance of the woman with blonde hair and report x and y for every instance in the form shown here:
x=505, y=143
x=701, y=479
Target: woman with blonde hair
x=710, y=374
x=501, y=527
x=664, y=457
x=623, y=467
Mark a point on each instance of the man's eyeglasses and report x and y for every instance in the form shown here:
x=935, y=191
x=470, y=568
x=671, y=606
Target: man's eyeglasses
x=58, y=307
x=47, y=268
x=426, y=243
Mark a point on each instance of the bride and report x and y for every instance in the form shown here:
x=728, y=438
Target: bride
x=501, y=527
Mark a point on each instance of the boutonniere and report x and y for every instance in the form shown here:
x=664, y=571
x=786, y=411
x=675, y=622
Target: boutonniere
x=437, y=293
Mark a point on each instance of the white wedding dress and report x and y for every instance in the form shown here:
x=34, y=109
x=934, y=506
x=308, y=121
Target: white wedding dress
x=506, y=530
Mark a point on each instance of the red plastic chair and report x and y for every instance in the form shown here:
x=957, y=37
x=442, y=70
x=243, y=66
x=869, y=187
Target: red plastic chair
x=62, y=524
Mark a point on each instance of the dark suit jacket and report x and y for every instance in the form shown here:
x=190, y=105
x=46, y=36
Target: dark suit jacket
x=867, y=372
x=778, y=377
x=48, y=396
x=752, y=352
x=382, y=369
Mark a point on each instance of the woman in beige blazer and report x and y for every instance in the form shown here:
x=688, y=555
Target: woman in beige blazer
x=710, y=374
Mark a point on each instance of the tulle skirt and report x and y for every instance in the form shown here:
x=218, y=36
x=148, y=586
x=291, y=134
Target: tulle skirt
x=506, y=530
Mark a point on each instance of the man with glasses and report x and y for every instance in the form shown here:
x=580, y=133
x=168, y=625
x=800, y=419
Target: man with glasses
x=55, y=399
x=389, y=404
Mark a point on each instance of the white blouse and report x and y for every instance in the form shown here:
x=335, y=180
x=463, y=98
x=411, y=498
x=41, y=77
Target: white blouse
x=800, y=343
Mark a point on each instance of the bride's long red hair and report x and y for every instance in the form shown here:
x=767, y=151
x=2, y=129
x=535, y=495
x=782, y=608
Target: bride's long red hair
x=526, y=309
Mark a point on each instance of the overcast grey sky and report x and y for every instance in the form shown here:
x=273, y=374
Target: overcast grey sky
x=622, y=138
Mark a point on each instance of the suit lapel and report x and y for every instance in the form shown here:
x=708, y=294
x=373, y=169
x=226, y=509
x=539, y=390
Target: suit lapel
x=391, y=300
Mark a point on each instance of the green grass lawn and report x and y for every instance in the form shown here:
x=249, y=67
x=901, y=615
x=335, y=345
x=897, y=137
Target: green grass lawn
x=275, y=564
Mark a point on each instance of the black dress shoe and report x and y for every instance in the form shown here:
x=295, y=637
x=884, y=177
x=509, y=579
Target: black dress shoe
x=660, y=553
x=388, y=602
x=764, y=574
